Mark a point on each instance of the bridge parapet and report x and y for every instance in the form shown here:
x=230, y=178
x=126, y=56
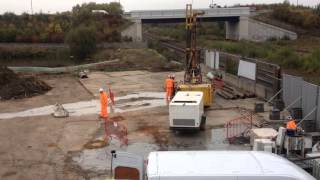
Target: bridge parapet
x=180, y=13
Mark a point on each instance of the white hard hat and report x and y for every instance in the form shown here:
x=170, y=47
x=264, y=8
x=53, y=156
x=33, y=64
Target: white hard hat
x=101, y=90
x=289, y=117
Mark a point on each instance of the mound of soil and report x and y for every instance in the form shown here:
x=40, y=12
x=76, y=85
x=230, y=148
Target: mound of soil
x=13, y=86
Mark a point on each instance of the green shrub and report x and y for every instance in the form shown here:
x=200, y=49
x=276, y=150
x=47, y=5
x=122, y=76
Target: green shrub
x=82, y=41
x=52, y=28
x=8, y=34
x=286, y=58
x=298, y=16
x=38, y=56
x=231, y=66
x=272, y=39
x=312, y=62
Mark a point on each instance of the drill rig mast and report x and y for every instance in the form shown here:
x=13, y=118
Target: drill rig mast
x=193, y=76
x=192, y=70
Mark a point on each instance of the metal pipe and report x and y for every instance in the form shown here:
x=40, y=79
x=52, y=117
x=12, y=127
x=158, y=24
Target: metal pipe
x=275, y=95
x=293, y=103
x=305, y=159
x=313, y=110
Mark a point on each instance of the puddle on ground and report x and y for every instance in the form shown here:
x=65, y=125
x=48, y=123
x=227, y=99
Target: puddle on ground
x=218, y=141
x=94, y=160
x=214, y=139
x=143, y=100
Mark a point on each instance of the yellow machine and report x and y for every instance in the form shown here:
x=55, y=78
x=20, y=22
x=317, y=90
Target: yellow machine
x=207, y=90
x=193, y=75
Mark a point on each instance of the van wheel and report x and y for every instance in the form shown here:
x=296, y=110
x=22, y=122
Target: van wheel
x=203, y=123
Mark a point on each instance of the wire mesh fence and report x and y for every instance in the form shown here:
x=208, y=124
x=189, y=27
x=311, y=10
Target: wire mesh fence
x=314, y=167
x=116, y=130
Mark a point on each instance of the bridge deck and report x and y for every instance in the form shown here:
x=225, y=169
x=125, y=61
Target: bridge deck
x=181, y=13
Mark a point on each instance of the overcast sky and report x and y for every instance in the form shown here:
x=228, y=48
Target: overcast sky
x=19, y=6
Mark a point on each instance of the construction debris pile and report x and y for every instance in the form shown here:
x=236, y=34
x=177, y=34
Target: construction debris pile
x=13, y=86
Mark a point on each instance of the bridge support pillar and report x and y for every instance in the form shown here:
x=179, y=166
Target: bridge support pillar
x=238, y=30
x=134, y=31
x=244, y=28
x=232, y=30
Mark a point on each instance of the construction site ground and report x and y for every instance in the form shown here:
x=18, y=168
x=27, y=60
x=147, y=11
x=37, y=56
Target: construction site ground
x=35, y=145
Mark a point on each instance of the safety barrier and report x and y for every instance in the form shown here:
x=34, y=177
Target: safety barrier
x=238, y=127
x=315, y=167
x=116, y=130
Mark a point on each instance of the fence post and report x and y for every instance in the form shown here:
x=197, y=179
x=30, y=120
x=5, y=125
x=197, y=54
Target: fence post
x=318, y=107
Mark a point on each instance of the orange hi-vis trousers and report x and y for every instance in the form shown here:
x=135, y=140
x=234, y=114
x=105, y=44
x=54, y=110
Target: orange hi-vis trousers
x=169, y=93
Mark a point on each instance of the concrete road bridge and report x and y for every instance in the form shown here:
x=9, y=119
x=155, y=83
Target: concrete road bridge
x=239, y=25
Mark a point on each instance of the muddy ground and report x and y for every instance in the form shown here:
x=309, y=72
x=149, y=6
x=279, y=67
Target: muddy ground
x=43, y=147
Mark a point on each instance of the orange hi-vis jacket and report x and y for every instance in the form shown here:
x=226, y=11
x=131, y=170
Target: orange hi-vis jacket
x=104, y=105
x=291, y=125
x=169, y=83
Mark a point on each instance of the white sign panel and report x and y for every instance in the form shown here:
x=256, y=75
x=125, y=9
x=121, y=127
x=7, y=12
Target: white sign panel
x=247, y=70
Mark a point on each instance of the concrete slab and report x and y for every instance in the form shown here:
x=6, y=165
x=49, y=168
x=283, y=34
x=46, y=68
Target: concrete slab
x=262, y=133
x=123, y=83
x=218, y=118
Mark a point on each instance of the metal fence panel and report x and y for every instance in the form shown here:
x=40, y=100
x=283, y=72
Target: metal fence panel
x=309, y=100
x=318, y=112
x=292, y=89
x=207, y=60
x=212, y=59
x=217, y=60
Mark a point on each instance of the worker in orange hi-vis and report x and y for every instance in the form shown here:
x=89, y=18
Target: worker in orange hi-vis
x=291, y=126
x=103, y=104
x=169, y=88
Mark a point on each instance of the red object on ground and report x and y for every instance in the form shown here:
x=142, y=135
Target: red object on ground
x=111, y=96
x=218, y=83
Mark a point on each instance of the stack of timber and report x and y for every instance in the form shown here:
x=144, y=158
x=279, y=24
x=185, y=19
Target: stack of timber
x=229, y=92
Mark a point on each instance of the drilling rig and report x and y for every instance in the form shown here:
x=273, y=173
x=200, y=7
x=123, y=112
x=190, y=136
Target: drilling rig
x=193, y=80
x=193, y=70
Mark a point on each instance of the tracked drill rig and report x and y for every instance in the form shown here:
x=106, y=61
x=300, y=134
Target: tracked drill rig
x=193, y=76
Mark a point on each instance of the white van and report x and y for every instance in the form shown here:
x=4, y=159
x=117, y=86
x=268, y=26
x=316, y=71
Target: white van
x=207, y=165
